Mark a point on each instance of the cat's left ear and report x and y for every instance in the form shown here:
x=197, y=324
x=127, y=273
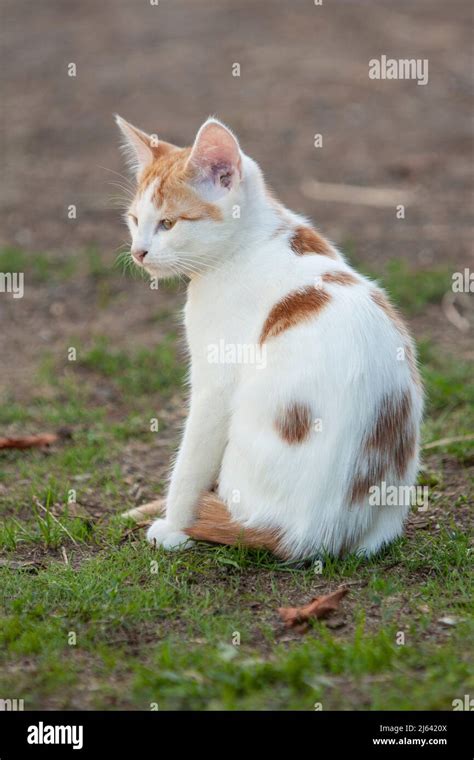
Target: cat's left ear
x=215, y=162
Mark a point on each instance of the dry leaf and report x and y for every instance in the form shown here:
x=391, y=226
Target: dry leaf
x=27, y=441
x=319, y=607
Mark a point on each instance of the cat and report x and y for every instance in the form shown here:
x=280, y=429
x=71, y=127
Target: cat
x=285, y=447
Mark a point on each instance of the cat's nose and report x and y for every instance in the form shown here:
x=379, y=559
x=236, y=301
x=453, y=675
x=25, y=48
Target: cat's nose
x=139, y=254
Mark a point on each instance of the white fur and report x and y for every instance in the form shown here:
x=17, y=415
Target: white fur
x=161, y=535
x=342, y=363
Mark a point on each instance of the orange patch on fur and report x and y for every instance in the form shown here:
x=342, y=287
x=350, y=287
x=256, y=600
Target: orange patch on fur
x=410, y=357
x=213, y=523
x=306, y=240
x=389, y=447
x=294, y=424
x=340, y=278
x=379, y=298
x=383, y=303
x=296, y=307
x=173, y=191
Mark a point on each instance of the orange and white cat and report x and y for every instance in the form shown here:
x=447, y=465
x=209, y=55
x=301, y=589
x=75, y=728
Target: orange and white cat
x=305, y=394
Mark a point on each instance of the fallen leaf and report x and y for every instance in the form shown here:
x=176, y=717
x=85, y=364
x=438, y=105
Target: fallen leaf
x=319, y=607
x=28, y=441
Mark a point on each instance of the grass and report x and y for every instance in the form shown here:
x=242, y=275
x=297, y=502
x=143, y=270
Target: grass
x=448, y=380
x=146, y=371
x=167, y=624
x=41, y=267
x=93, y=618
x=411, y=289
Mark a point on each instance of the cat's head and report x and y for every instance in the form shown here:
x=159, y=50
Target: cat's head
x=183, y=212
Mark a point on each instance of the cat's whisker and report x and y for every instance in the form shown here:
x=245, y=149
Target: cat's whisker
x=124, y=188
x=124, y=241
x=118, y=199
x=204, y=266
x=125, y=262
x=189, y=268
x=124, y=198
x=118, y=203
x=122, y=177
x=199, y=262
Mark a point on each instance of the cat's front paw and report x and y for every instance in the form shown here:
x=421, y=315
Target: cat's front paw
x=161, y=533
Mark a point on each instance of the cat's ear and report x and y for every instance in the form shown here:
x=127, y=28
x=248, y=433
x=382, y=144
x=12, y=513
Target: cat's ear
x=138, y=146
x=215, y=162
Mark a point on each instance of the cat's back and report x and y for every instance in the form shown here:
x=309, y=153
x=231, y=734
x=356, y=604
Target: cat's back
x=316, y=304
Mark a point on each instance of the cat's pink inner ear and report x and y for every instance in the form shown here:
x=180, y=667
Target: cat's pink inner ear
x=215, y=157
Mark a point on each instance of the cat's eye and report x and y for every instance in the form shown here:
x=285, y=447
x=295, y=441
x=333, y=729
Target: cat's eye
x=166, y=224
x=134, y=219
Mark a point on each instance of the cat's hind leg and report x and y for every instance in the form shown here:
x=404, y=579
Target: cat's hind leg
x=388, y=525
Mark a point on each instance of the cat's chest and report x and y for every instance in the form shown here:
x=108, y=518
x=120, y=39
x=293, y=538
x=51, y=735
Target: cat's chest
x=222, y=314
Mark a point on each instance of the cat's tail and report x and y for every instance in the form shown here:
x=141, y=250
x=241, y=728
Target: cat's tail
x=213, y=523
